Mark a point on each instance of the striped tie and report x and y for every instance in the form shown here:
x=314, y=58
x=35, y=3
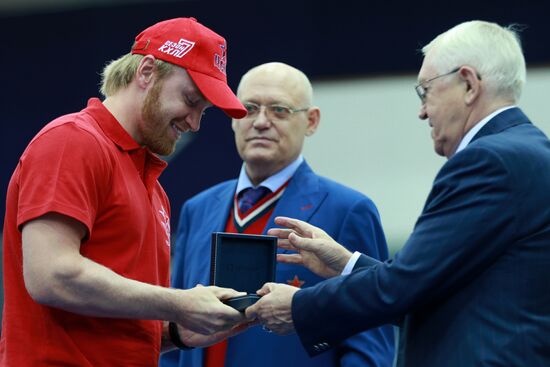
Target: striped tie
x=250, y=196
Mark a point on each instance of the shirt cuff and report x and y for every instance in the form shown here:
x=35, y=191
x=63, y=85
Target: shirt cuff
x=351, y=263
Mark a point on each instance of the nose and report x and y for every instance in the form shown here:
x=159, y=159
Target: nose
x=423, y=114
x=194, y=120
x=262, y=121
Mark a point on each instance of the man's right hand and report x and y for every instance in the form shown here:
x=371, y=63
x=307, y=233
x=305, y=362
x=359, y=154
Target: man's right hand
x=316, y=250
x=203, y=311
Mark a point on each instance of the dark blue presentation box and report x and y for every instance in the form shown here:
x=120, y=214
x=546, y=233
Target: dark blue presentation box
x=243, y=262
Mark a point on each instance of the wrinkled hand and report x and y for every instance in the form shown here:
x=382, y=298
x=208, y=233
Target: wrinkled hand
x=274, y=309
x=203, y=312
x=317, y=251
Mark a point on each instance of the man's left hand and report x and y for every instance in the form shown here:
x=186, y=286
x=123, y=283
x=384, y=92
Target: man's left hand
x=274, y=309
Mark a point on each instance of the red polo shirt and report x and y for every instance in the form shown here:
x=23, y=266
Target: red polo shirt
x=86, y=166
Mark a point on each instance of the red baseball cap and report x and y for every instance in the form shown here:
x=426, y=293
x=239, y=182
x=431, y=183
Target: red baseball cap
x=200, y=51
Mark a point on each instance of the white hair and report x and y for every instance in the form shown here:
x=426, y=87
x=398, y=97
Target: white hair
x=494, y=51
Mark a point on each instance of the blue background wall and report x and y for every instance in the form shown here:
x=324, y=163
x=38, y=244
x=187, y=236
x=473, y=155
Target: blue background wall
x=50, y=62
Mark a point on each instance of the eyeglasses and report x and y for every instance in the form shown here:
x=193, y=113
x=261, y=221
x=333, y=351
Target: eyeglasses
x=422, y=90
x=273, y=112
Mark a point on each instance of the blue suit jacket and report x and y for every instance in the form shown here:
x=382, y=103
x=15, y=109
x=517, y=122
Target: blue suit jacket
x=345, y=214
x=472, y=283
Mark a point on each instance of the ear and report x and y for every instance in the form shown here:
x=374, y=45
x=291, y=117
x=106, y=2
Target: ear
x=473, y=84
x=313, y=120
x=234, y=123
x=145, y=73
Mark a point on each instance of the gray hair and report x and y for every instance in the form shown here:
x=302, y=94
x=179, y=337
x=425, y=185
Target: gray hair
x=494, y=51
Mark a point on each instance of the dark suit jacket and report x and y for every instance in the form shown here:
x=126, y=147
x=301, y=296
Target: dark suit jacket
x=344, y=213
x=472, y=283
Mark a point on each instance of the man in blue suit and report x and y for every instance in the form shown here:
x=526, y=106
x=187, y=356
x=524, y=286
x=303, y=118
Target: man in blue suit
x=470, y=287
x=278, y=98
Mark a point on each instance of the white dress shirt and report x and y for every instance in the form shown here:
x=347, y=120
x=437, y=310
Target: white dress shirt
x=273, y=182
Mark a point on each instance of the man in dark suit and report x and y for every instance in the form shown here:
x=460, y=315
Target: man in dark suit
x=470, y=287
x=278, y=98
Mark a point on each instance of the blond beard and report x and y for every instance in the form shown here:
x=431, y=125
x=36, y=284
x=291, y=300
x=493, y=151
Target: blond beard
x=154, y=130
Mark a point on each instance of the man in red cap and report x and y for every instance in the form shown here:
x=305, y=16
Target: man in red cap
x=87, y=225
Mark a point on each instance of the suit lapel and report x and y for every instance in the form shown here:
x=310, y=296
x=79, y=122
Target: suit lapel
x=302, y=197
x=218, y=209
x=502, y=121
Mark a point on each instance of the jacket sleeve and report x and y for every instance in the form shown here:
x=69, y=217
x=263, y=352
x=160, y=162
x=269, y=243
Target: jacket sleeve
x=362, y=231
x=466, y=224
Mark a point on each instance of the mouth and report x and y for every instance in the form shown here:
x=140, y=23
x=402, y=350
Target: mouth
x=260, y=138
x=178, y=129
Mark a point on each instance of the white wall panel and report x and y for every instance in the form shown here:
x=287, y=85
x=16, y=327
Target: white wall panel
x=371, y=139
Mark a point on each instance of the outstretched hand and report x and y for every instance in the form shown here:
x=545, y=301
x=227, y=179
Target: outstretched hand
x=274, y=309
x=316, y=250
x=202, y=310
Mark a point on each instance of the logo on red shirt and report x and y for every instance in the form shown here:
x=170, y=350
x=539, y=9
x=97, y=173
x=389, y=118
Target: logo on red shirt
x=165, y=221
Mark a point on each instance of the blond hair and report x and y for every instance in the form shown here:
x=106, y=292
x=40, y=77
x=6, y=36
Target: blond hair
x=118, y=73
